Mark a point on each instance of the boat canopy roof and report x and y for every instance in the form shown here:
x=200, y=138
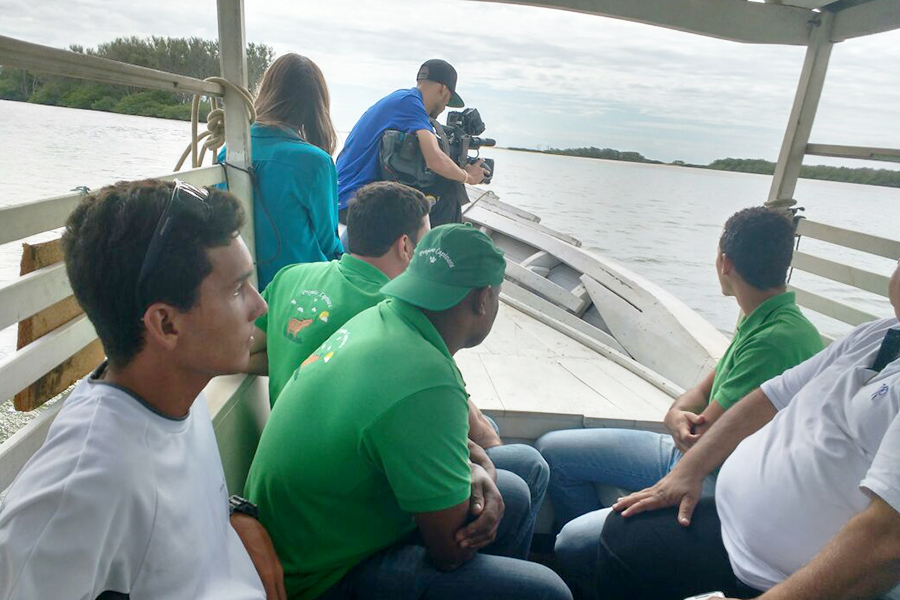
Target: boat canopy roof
x=789, y=22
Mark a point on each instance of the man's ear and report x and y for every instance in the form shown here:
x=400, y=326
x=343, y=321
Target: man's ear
x=727, y=265
x=162, y=326
x=481, y=300
x=404, y=248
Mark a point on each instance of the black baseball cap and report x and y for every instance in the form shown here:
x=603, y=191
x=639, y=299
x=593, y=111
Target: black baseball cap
x=442, y=72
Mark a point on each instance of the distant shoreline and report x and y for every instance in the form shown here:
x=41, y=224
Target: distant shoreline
x=863, y=175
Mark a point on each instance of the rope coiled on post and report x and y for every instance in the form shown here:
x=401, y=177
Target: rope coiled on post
x=214, y=136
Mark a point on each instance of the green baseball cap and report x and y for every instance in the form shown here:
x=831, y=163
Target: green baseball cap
x=449, y=262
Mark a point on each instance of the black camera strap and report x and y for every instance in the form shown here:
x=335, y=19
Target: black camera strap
x=442, y=136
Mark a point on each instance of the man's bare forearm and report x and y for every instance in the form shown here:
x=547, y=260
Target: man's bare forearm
x=741, y=421
x=478, y=456
x=696, y=398
x=862, y=561
x=480, y=430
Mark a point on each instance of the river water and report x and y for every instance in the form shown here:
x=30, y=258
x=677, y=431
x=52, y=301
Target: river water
x=663, y=222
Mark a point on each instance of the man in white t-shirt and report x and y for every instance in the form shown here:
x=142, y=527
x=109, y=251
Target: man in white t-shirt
x=807, y=503
x=127, y=496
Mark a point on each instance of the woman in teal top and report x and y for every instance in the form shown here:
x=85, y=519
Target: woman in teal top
x=295, y=191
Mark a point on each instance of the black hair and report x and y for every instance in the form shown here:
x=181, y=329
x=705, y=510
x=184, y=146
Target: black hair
x=760, y=243
x=380, y=213
x=106, y=239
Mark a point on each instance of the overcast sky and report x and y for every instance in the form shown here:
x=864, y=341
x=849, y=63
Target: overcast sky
x=540, y=77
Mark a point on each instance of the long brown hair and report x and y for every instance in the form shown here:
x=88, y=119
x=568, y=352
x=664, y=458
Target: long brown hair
x=293, y=94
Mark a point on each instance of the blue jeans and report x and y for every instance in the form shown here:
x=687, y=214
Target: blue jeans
x=582, y=459
x=402, y=571
x=602, y=556
x=526, y=462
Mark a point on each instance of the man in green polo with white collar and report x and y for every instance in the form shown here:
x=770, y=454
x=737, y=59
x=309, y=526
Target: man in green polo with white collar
x=363, y=472
x=753, y=258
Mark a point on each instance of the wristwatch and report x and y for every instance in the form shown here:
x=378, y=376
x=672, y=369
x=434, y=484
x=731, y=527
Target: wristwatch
x=236, y=504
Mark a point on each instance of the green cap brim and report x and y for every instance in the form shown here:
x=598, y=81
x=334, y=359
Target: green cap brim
x=423, y=293
x=456, y=101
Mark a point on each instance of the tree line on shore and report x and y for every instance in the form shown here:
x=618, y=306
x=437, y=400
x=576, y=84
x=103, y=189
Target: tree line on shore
x=194, y=57
x=864, y=175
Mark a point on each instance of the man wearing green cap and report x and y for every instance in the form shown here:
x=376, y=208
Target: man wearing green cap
x=363, y=475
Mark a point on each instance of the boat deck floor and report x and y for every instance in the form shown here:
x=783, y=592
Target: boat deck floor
x=532, y=379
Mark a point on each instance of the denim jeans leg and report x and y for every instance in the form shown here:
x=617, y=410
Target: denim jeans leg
x=517, y=526
x=403, y=572
x=581, y=459
x=526, y=462
x=576, y=551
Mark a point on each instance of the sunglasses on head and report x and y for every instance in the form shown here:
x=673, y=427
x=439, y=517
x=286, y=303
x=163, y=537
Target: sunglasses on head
x=185, y=198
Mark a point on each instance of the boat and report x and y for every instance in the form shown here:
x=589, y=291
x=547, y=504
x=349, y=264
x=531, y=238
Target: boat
x=580, y=341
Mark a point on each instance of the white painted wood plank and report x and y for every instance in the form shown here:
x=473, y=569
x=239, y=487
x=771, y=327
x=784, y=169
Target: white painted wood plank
x=651, y=336
x=543, y=286
x=54, y=61
x=658, y=399
x=627, y=284
x=557, y=343
x=532, y=385
x=233, y=59
x=619, y=358
x=18, y=221
x=32, y=293
x=857, y=152
x=507, y=338
x=866, y=18
x=623, y=398
x=848, y=238
x=835, y=271
x=20, y=369
x=19, y=448
x=832, y=308
x=750, y=22
x=552, y=315
x=478, y=382
x=803, y=114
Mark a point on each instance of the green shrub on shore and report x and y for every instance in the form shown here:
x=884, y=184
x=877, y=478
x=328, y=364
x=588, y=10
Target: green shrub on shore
x=194, y=57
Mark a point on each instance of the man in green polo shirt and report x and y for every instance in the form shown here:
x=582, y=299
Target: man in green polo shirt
x=752, y=261
x=363, y=470
x=309, y=302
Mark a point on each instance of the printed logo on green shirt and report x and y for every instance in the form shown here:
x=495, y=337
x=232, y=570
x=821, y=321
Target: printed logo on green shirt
x=326, y=351
x=312, y=305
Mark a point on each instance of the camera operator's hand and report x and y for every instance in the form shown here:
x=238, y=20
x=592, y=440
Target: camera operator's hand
x=475, y=172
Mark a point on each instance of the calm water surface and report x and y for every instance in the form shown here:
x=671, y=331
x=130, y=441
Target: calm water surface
x=662, y=222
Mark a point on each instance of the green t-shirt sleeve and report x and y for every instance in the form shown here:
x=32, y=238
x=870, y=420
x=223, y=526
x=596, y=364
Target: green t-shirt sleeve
x=754, y=364
x=420, y=444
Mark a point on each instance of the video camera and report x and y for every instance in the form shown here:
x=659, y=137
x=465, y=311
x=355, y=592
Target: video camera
x=461, y=135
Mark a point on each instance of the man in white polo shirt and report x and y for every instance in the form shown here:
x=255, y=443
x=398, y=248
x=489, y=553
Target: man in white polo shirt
x=807, y=503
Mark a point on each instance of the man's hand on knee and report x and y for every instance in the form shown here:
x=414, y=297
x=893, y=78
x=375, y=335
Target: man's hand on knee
x=486, y=506
x=678, y=488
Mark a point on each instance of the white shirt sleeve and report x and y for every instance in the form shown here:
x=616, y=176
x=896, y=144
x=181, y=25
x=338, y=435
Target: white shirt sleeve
x=883, y=477
x=77, y=520
x=781, y=390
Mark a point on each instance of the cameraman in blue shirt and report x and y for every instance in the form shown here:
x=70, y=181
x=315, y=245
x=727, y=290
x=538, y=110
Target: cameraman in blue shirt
x=409, y=111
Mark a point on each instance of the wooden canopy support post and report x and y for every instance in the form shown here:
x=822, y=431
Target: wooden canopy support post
x=233, y=59
x=803, y=114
